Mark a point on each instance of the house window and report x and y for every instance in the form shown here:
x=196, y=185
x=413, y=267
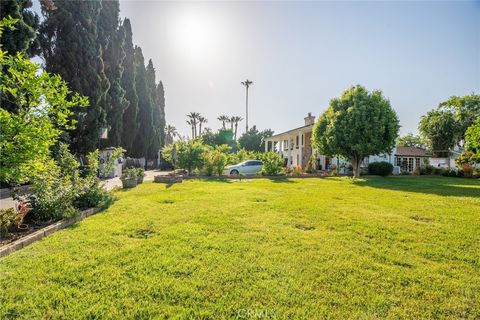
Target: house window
x=410, y=164
x=303, y=144
x=285, y=145
x=296, y=142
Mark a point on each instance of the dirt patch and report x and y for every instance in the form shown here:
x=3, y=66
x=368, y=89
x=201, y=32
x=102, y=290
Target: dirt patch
x=143, y=233
x=421, y=219
x=304, y=227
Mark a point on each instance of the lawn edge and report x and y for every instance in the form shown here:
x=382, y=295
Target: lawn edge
x=40, y=234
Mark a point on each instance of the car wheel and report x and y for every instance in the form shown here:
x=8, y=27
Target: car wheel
x=234, y=172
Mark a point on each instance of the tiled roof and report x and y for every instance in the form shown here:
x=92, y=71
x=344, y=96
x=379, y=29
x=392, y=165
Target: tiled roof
x=412, y=152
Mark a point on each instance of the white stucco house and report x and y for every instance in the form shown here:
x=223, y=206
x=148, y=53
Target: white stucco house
x=295, y=147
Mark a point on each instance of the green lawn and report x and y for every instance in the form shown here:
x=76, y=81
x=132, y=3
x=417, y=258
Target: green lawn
x=403, y=247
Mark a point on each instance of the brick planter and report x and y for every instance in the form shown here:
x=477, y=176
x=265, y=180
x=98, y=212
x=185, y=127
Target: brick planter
x=39, y=234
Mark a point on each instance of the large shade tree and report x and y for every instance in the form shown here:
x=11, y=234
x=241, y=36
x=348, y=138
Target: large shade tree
x=43, y=109
x=440, y=129
x=357, y=124
x=472, y=138
x=254, y=140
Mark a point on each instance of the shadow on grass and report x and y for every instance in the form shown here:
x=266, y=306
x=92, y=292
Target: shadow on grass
x=442, y=186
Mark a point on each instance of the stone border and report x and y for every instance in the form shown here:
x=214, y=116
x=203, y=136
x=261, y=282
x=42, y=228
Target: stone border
x=39, y=234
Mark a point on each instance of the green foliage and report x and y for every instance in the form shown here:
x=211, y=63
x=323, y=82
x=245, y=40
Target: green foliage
x=447, y=125
x=190, y=154
x=145, y=133
x=129, y=173
x=140, y=172
x=130, y=125
x=358, y=124
x=215, y=161
x=472, y=139
x=381, y=168
x=254, y=140
x=93, y=194
x=406, y=238
x=465, y=111
x=8, y=218
x=440, y=129
x=53, y=194
x=466, y=157
x=44, y=106
x=221, y=137
x=310, y=168
x=72, y=48
x=157, y=98
x=112, y=35
x=411, y=140
x=23, y=37
x=272, y=164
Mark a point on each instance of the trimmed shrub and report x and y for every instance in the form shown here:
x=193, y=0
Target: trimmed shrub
x=381, y=168
x=272, y=164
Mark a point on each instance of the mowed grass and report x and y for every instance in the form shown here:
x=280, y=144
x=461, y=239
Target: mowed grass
x=400, y=247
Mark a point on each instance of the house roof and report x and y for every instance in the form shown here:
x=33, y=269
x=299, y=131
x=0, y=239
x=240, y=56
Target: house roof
x=412, y=152
x=289, y=131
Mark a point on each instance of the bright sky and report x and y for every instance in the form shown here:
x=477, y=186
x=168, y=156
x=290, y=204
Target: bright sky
x=302, y=54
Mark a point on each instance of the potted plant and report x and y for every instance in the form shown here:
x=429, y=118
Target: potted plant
x=22, y=209
x=140, y=175
x=129, y=178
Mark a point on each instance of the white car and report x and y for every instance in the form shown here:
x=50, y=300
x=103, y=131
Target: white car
x=248, y=167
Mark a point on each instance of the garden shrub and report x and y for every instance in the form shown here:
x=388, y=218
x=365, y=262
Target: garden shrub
x=190, y=154
x=310, y=168
x=272, y=164
x=381, y=168
x=215, y=161
x=8, y=218
x=53, y=194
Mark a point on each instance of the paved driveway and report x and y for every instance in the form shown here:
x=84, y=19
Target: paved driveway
x=6, y=200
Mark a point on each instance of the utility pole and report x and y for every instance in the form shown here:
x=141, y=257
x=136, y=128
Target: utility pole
x=247, y=83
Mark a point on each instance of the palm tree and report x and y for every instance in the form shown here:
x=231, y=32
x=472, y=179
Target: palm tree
x=201, y=120
x=231, y=120
x=170, y=133
x=193, y=116
x=224, y=119
x=190, y=122
x=247, y=83
x=236, y=120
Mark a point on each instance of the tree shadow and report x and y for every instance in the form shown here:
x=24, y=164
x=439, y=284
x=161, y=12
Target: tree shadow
x=438, y=185
x=281, y=179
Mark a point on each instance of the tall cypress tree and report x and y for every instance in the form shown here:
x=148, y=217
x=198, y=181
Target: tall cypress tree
x=24, y=37
x=152, y=91
x=111, y=36
x=161, y=111
x=144, y=135
x=130, y=125
x=70, y=48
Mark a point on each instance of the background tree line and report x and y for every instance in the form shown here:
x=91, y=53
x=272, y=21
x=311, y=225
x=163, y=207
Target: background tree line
x=87, y=44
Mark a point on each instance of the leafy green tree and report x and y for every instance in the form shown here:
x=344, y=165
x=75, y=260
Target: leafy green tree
x=70, y=48
x=472, y=138
x=440, y=129
x=465, y=110
x=144, y=136
x=411, y=140
x=23, y=38
x=130, y=124
x=358, y=124
x=254, y=140
x=190, y=154
x=44, y=108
